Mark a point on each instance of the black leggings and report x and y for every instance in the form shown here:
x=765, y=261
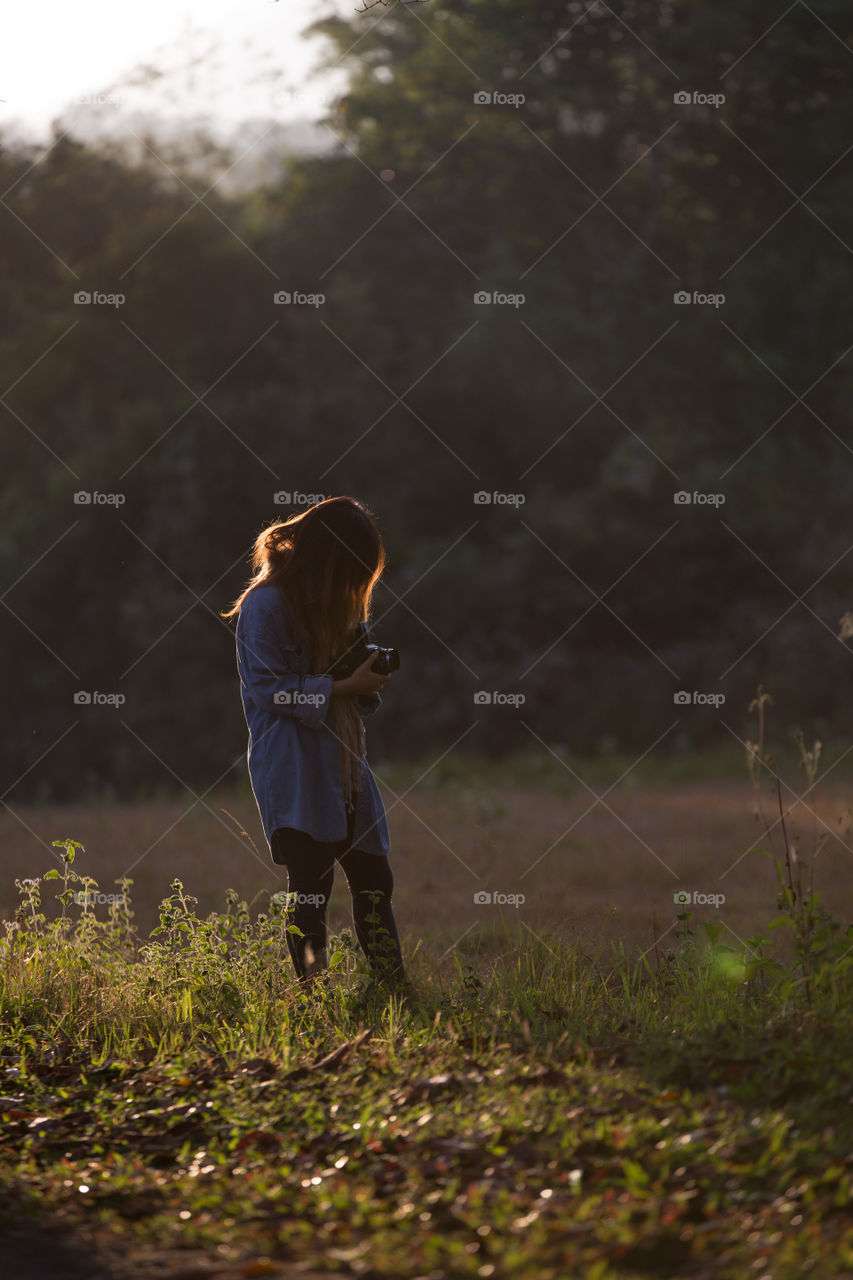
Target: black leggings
x=311, y=874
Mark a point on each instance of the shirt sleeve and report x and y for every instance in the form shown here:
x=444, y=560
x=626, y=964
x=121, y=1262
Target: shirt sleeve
x=271, y=671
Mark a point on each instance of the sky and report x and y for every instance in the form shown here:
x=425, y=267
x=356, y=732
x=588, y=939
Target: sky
x=216, y=58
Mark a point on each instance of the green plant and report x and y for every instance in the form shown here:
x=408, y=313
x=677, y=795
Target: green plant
x=822, y=953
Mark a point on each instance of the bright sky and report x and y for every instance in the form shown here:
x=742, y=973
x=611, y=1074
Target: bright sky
x=225, y=60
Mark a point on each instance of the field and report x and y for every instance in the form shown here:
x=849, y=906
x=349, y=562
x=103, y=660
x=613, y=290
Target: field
x=596, y=871
x=594, y=1081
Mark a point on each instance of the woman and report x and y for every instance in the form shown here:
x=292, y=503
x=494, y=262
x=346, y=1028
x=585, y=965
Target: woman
x=314, y=577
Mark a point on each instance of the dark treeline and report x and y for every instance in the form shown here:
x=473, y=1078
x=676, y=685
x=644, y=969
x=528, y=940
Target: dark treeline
x=198, y=399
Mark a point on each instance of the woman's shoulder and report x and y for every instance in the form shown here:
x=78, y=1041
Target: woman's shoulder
x=266, y=604
x=261, y=602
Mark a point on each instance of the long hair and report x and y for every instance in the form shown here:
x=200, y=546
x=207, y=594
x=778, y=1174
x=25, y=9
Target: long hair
x=326, y=562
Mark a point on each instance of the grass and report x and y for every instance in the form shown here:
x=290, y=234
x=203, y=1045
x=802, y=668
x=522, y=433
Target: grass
x=544, y=1105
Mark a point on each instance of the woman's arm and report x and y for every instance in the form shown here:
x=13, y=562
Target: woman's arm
x=271, y=672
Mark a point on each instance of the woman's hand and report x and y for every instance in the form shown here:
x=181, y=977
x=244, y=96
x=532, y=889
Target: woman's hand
x=363, y=679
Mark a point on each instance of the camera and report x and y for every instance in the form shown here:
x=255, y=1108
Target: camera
x=360, y=648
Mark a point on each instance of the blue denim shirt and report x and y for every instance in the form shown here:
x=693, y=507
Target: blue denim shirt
x=293, y=752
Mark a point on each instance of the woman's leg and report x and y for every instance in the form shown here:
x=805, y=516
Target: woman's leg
x=371, y=883
x=310, y=876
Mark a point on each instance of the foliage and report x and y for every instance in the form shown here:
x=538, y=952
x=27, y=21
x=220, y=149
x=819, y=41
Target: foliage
x=685, y=1109
x=180, y=1092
